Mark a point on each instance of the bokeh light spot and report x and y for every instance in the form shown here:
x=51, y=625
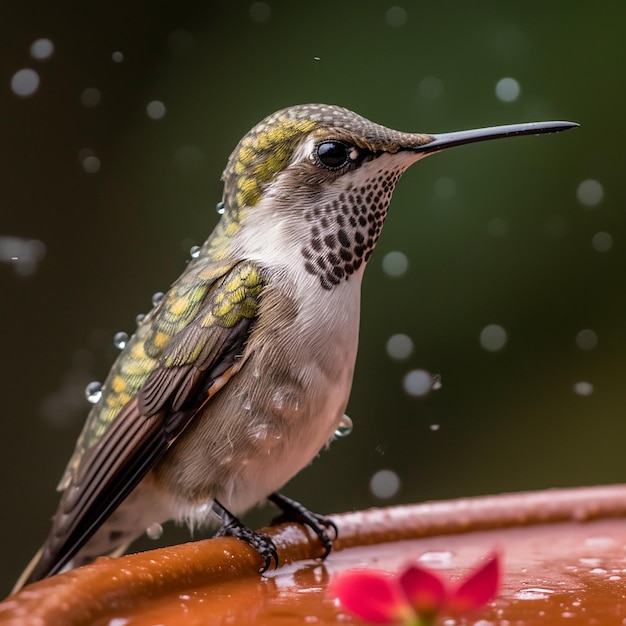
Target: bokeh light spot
x=90, y=97
x=42, y=49
x=385, y=484
x=507, y=89
x=155, y=110
x=602, y=242
x=417, y=383
x=583, y=388
x=396, y=17
x=260, y=12
x=25, y=82
x=493, y=338
x=399, y=346
x=587, y=339
x=590, y=192
x=395, y=264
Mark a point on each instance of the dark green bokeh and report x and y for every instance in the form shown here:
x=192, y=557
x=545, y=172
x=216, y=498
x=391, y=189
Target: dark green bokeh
x=508, y=420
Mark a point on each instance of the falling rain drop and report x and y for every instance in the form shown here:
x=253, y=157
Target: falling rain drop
x=219, y=207
x=120, y=340
x=93, y=392
x=437, y=384
x=117, y=57
x=140, y=318
x=154, y=531
x=157, y=298
x=344, y=428
x=194, y=252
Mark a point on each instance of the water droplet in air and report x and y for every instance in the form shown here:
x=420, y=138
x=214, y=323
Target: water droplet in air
x=344, y=428
x=434, y=427
x=195, y=252
x=219, y=207
x=154, y=531
x=140, y=318
x=117, y=57
x=157, y=298
x=437, y=384
x=93, y=392
x=120, y=340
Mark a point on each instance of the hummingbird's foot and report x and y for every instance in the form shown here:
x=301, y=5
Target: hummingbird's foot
x=293, y=511
x=232, y=527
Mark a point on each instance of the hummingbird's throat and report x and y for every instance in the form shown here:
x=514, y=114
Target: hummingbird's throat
x=345, y=226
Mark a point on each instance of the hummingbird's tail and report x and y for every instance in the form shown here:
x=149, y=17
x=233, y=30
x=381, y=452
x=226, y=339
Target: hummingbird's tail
x=136, y=515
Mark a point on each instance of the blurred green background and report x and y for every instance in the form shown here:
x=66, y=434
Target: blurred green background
x=526, y=234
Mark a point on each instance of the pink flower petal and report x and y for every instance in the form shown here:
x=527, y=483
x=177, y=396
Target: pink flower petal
x=479, y=588
x=424, y=589
x=371, y=595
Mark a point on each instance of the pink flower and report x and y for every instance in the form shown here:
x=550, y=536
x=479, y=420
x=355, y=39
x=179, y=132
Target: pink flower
x=416, y=595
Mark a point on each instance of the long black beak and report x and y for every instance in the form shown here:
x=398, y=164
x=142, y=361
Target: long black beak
x=449, y=140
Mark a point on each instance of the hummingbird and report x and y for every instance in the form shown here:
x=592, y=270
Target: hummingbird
x=241, y=373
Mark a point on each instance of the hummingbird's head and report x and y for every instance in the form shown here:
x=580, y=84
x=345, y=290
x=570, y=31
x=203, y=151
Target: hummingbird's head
x=319, y=178
x=323, y=176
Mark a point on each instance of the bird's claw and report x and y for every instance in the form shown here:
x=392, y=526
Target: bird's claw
x=263, y=544
x=293, y=511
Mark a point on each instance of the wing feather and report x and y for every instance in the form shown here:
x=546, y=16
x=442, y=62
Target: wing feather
x=196, y=361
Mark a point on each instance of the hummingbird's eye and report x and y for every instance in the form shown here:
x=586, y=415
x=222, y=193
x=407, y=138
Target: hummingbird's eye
x=334, y=154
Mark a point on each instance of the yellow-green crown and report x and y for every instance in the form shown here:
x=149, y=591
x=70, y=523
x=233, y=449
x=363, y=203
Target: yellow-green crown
x=266, y=150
